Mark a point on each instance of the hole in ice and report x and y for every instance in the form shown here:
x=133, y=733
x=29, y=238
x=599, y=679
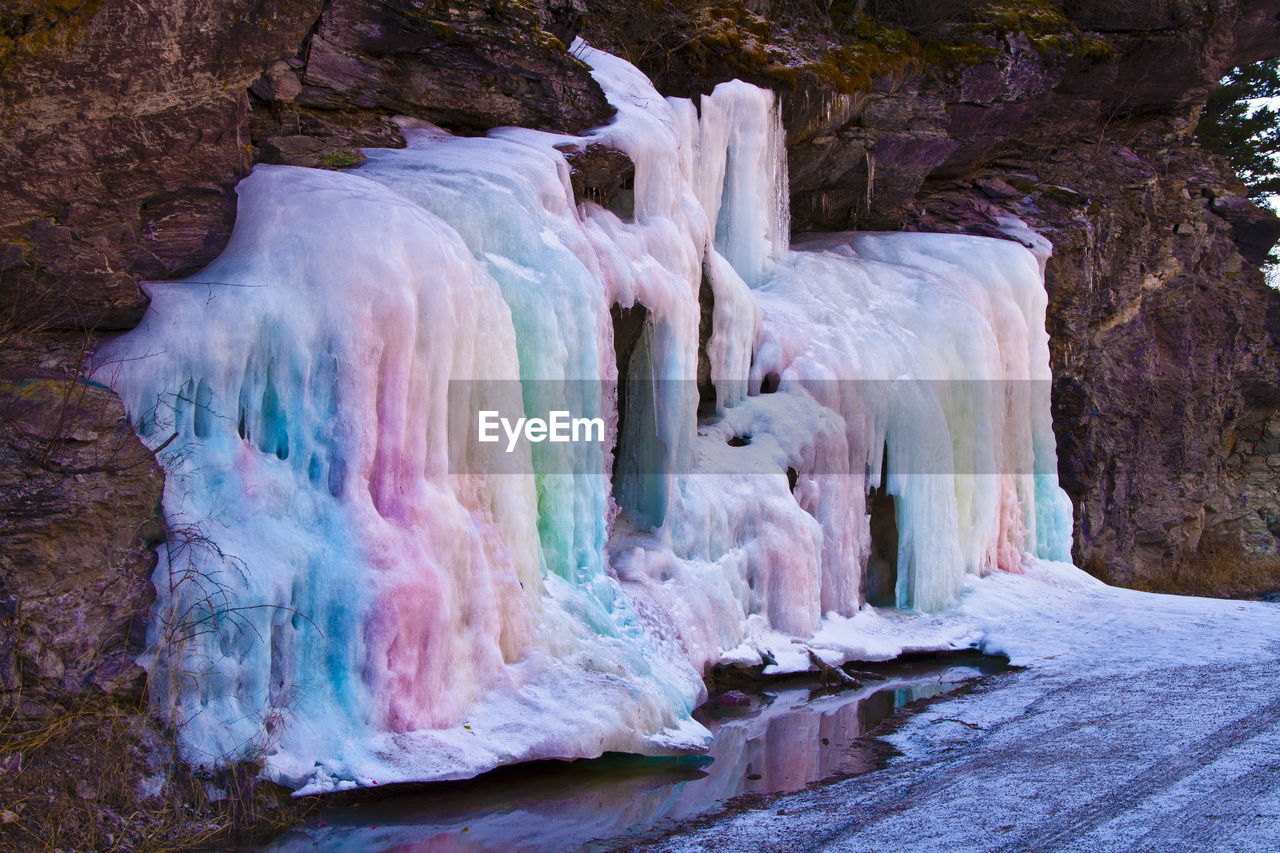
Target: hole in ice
x=770, y=383
x=793, y=477
x=882, y=562
x=315, y=470
x=244, y=427
x=182, y=404
x=337, y=476
x=639, y=486
x=597, y=173
x=275, y=432
x=739, y=441
x=623, y=202
x=146, y=423
x=706, y=316
x=202, y=419
x=280, y=658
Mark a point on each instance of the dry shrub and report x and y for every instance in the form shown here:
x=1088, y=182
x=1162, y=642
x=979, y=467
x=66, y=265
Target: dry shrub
x=1227, y=571
x=1220, y=569
x=99, y=775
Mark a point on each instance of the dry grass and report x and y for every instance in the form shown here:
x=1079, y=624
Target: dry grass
x=100, y=776
x=1227, y=572
x=1218, y=570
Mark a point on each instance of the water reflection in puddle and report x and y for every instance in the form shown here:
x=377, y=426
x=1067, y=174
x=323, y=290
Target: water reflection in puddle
x=784, y=739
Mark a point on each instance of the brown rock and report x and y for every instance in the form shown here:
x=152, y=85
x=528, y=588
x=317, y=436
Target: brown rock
x=122, y=128
x=278, y=83
x=597, y=171
x=311, y=151
x=463, y=66
x=79, y=515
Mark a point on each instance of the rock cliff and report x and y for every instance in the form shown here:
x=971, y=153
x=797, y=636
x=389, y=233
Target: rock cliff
x=126, y=125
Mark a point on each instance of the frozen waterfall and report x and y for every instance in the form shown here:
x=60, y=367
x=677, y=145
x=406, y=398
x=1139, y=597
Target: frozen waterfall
x=357, y=596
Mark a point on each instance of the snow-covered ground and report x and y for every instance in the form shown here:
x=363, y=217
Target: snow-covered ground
x=1141, y=722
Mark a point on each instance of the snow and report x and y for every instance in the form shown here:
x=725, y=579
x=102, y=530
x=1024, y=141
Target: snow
x=354, y=596
x=1142, y=721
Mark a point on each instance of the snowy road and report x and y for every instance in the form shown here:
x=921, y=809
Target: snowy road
x=1142, y=722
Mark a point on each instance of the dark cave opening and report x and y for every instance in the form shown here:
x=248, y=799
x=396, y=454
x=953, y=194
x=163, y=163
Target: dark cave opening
x=639, y=484
x=882, y=564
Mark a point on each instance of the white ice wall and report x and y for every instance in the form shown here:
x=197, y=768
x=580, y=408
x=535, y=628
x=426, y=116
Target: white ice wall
x=347, y=599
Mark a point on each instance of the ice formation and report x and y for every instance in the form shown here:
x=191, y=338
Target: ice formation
x=355, y=599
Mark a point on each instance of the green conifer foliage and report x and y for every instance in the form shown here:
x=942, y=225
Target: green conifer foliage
x=1236, y=125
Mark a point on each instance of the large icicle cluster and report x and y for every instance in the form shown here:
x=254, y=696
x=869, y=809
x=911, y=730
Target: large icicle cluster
x=347, y=599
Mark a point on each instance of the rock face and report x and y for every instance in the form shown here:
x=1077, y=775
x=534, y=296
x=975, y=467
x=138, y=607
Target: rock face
x=80, y=510
x=123, y=132
x=126, y=125
x=1165, y=366
x=468, y=67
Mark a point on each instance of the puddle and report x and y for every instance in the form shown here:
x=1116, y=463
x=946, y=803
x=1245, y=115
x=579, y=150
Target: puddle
x=781, y=740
